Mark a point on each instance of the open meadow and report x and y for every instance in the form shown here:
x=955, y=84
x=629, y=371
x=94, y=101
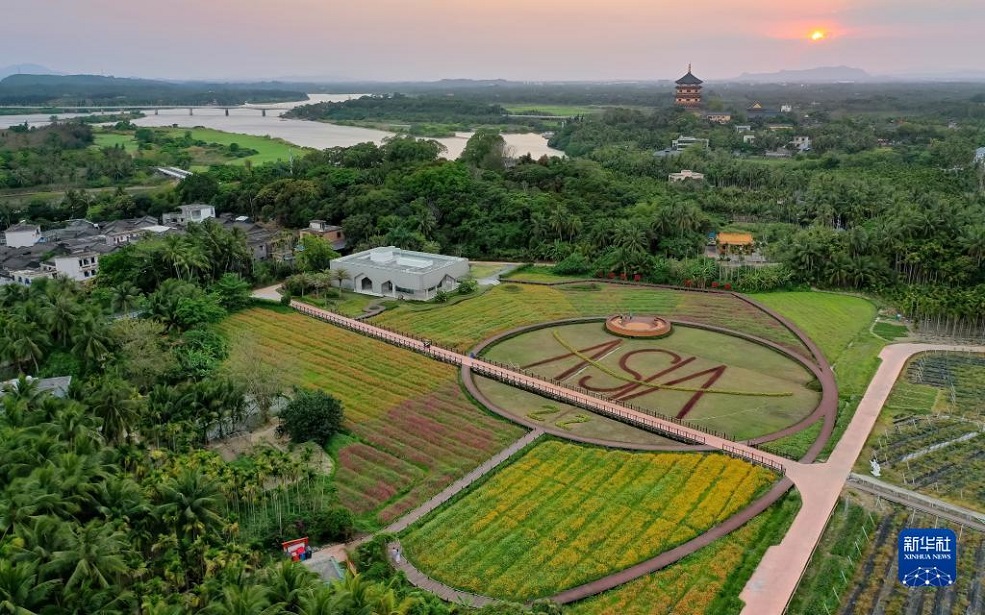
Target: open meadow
x=412, y=430
x=565, y=514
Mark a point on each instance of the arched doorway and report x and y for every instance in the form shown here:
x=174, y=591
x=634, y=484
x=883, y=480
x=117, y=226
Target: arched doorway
x=386, y=288
x=366, y=284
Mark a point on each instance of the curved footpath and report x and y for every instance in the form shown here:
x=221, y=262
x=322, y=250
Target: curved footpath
x=772, y=585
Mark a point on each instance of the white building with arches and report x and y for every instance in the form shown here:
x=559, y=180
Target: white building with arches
x=402, y=274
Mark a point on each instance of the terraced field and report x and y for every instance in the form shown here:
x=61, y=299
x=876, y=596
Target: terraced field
x=565, y=514
x=413, y=429
x=464, y=324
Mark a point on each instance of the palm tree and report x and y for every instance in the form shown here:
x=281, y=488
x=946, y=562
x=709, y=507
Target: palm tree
x=21, y=592
x=117, y=405
x=91, y=340
x=22, y=341
x=244, y=600
x=93, y=554
x=340, y=275
x=125, y=297
x=190, y=505
x=289, y=584
x=60, y=313
x=630, y=237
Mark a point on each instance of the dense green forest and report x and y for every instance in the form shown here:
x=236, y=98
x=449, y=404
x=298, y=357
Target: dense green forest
x=96, y=90
x=417, y=112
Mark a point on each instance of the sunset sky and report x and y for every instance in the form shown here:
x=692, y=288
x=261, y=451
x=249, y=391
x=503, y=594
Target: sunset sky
x=510, y=39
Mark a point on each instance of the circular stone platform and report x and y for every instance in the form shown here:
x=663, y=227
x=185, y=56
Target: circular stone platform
x=638, y=326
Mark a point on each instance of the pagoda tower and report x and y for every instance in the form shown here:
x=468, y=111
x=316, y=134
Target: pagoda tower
x=688, y=91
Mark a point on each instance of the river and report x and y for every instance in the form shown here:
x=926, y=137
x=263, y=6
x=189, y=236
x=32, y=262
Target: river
x=318, y=135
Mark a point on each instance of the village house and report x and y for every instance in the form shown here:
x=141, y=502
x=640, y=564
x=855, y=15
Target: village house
x=189, y=213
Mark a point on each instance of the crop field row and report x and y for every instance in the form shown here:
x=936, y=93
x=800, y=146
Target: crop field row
x=930, y=435
x=415, y=430
x=464, y=324
x=705, y=583
x=854, y=570
x=565, y=514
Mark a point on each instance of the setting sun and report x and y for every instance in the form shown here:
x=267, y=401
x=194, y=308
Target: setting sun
x=818, y=35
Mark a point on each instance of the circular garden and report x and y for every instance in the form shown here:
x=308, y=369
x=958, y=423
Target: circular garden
x=713, y=379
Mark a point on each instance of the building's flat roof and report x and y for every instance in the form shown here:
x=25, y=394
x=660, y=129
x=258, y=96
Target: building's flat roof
x=394, y=259
x=19, y=228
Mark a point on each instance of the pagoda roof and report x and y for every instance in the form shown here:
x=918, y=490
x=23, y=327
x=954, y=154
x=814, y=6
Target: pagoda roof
x=689, y=78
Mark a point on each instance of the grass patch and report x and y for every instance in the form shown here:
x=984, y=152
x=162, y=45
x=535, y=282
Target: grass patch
x=711, y=368
x=550, y=109
x=268, y=149
x=484, y=270
x=707, y=582
x=795, y=445
x=115, y=139
x=550, y=412
x=839, y=324
x=833, y=321
x=414, y=431
x=889, y=332
x=507, y=306
x=565, y=514
x=349, y=304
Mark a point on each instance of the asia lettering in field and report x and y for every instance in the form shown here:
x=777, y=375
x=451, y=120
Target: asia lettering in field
x=927, y=557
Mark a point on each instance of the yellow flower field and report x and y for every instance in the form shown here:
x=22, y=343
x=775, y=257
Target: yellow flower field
x=565, y=514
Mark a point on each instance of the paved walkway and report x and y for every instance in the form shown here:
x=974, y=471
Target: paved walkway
x=919, y=501
x=772, y=585
x=270, y=293
x=453, y=489
x=419, y=579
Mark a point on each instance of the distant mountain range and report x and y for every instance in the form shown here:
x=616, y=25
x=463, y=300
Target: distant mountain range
x=26, y=69
x=822, y=74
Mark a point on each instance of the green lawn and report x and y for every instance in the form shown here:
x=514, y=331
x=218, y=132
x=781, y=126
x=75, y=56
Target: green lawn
x=833, y=321
x=550, y=413
x=484, y=270
x=114, y=139
x=839, y=324
x=565, y=514
x=268, y=149
x=774, y=389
